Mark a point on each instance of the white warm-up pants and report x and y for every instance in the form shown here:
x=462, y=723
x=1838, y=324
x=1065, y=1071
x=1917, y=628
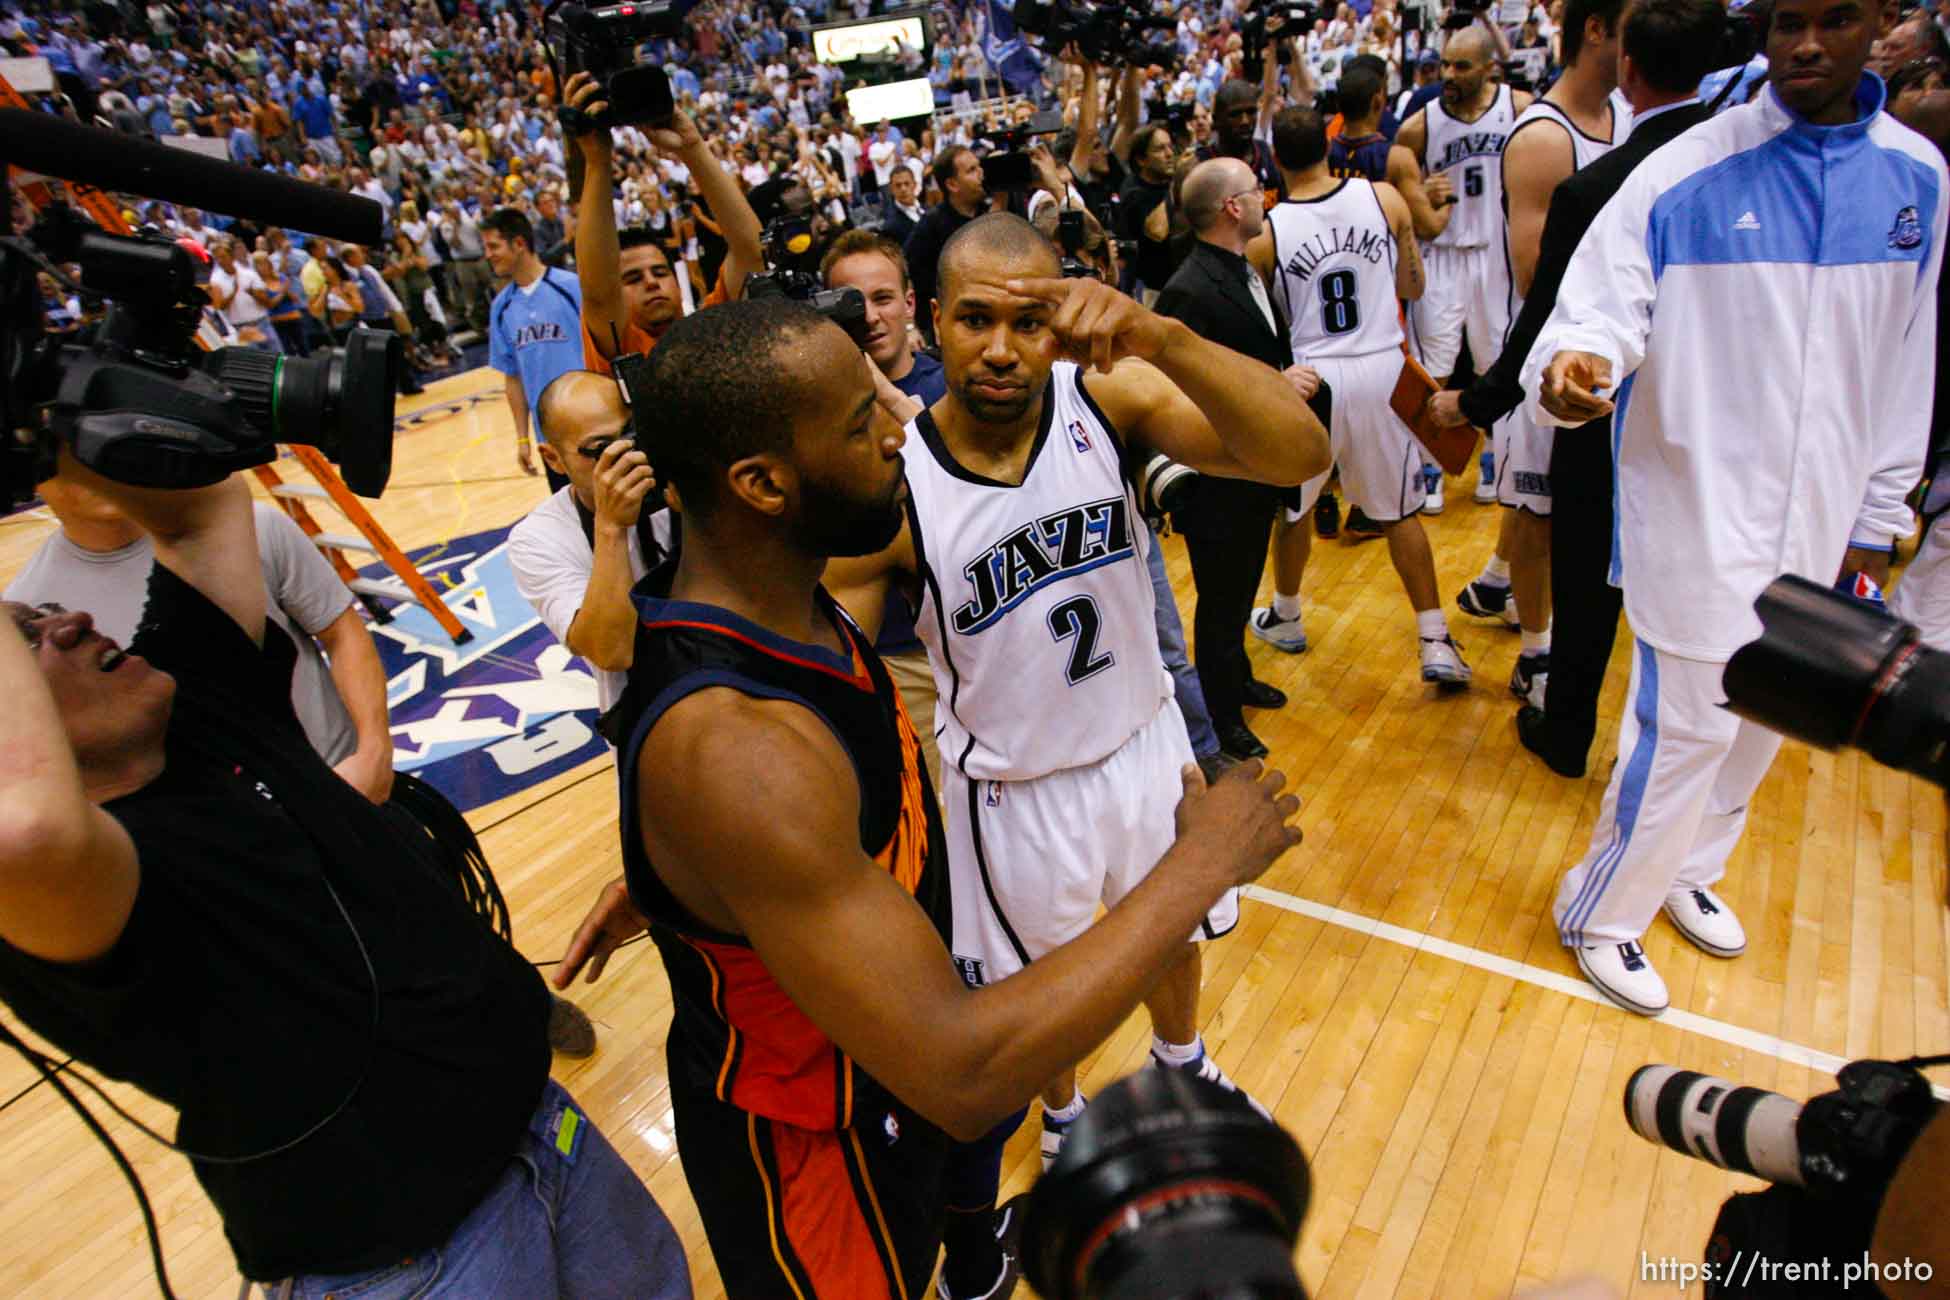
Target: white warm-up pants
x=1922, y=596
x=1676, y=804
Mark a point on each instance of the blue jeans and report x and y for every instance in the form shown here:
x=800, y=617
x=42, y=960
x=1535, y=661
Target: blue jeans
x=572, y=1225
x=1171, y=644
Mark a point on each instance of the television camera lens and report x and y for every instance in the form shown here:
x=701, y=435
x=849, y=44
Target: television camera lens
x=339, y=401
x=1168, y=1187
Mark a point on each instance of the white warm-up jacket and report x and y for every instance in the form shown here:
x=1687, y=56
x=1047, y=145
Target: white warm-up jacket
x=1764, y=289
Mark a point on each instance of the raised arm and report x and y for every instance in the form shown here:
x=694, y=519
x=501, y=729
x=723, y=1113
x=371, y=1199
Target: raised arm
x=1089, y=106
x=1199, y=403
x=744, y=237
x=1127, y=115
x=856, y=953
x=598, y=257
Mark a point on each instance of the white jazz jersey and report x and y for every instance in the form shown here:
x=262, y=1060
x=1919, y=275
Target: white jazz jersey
x=1036, y=605
x=1585, y=150
x=1335, y=277
x=1471, y=155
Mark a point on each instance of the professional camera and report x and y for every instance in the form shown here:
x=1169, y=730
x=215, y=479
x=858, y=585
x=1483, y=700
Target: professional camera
x=1176, y=118
x=1835, y=672
x=1463, y=14
x=1842, y=1145
x=1007, y=165
x=788, y=242
x=601, y=40
x=1298, y=17
x=1168, y=1188
x=1109, y=33
x=139, y=402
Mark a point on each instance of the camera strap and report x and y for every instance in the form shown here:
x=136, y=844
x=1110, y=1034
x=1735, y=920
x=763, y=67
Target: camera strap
x=647, y=544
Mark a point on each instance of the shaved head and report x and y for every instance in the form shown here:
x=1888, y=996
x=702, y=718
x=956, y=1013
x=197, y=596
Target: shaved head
x=999, y=237
x=1472, y=44
x=1210, y=184
x=576, y=402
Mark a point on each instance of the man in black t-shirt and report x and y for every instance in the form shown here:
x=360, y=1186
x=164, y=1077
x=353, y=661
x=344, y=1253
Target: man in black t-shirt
x=1145, y=207
x=191, y=900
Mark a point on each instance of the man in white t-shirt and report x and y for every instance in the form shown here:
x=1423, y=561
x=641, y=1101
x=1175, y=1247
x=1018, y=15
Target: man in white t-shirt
x=850, y=149
x=576, y=555
x=884, y=153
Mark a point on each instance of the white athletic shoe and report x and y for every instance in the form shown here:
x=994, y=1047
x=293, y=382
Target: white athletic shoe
x=1208, y=1069
x=1485, y=494
x=1624, y=974
x=1280, y=633
x=1442, y=662
x=1055, y=1133
x=1705, y=919
x=1432, y=501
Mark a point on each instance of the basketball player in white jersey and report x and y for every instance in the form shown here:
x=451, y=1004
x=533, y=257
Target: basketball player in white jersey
x=1337, y=254
x=1460, y=135
x=1060, y=739
x=1576, y=122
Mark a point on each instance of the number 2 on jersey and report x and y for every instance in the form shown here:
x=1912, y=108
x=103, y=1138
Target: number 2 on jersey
x=1078, y=617
x=1340, y=303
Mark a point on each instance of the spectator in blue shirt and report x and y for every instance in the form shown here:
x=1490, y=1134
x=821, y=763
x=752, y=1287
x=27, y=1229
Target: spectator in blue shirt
x=534, y=326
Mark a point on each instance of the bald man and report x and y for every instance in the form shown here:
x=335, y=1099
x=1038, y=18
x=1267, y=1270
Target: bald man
x=1227, y=521
x=576, y=555
x=1025, y=556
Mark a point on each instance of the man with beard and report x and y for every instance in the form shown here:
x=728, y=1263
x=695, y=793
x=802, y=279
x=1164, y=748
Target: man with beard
x=780, y=838
x=1025, y=555
x=1460, y=136
x=1804, y=223
x=629, y=288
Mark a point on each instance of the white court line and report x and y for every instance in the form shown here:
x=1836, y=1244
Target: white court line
x=1693, y=1023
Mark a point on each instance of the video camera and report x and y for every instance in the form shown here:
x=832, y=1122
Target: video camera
x=602, y=40
x=1463, y=14
x=788, y=240
x=1168, y=1188
x=1106, y=32
x=140, y=403
x=1008, y=166
x=1297, y=18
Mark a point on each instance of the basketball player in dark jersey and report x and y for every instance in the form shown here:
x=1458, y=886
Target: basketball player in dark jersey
x=781, y=841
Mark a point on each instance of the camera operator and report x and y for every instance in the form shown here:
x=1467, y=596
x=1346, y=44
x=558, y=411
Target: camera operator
x=191, y=900
x=630, y=294
x=1692, y=554
x=1146, y=207
x=577, y=554
x=958, y=171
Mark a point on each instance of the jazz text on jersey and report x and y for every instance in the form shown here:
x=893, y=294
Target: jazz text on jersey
x=1043, y=551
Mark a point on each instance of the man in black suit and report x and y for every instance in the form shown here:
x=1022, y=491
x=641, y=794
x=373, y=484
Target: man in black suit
x=1667, y=46
x=901, y=209
x=958, y=172
x=1227, y=521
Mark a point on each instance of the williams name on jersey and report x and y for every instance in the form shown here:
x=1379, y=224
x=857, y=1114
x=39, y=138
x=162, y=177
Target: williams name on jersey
x=1368, y=243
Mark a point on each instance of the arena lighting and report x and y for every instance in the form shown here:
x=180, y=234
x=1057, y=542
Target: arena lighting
x=891, y=102
x=844, y=42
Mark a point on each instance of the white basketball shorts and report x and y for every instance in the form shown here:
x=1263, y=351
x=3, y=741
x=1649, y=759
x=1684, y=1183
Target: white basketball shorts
x=1379, y=458
x=1463, y=293
x=1029, y=861
x=1523, y=463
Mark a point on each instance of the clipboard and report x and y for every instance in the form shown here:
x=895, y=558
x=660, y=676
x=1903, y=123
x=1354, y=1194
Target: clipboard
x=1450, y=447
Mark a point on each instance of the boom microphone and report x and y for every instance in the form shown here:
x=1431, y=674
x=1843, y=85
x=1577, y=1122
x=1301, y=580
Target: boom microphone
x=113, y=161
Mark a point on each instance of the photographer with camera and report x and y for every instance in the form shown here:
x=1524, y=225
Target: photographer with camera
x=1146, y=208
x=1823, y=462
x=191, y=900
x=630, y=294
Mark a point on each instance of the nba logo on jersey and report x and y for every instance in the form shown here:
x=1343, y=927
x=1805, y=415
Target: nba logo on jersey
x=994, y=797
x=1078, y=438
x=893, y=1127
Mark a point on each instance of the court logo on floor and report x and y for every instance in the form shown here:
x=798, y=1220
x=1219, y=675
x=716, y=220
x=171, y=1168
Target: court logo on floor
x=488, y=717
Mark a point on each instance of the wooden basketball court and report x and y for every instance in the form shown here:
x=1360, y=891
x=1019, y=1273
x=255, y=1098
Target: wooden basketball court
x=1395, y=991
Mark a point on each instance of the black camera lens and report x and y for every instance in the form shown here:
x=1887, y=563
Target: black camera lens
x=1169, y=1187
x=339, y=401
x=1833, y=671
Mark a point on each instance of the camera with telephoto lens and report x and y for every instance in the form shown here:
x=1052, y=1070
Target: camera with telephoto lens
x=1835, y=672
x=601, y=40
x=139, y=402
x=1113, y=34
x=1007, y=166
x=1463, y=14
x=788, y=243
x=1842, y=1145
x=1169, y=1187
